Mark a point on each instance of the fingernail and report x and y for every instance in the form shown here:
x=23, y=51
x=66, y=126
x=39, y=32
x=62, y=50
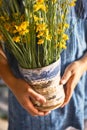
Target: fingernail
x=41, y=99
x=63, y=81
x=45, y=100
x=62, y=106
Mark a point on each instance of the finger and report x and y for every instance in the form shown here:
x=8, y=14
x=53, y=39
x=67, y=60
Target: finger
x=36, y=112
x=67, y=99
x=36, y=96
x=69, y=90
x=46, y=113
x=31, y=109
x=67, y=74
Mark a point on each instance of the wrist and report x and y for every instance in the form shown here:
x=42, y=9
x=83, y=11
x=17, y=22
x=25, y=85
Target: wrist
x=6, y=73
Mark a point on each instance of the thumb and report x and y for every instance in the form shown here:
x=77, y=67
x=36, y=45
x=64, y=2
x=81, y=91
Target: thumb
x=67, y=74
x=36, y=96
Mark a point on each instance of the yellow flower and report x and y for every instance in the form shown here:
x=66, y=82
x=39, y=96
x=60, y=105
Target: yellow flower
x=73, y=3
x=66, y=25
x=65, y=37
x=61, y=45
x=23, y=32
x=40, y=1
x=41, y=41
x=60, y=31
x=48, y=36
x=39, y=6
x=40, y=34
x=36, y=19
x=16, y=39
x=41, y=27
x=22, y=27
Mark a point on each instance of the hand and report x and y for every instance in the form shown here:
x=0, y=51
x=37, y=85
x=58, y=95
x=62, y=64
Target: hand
x=23, y=92
x=72, y=76
x=21, y=89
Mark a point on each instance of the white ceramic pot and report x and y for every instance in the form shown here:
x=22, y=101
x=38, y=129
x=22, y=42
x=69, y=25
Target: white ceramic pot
x=45, y=81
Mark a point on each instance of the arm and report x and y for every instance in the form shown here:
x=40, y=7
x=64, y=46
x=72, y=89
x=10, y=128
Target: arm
x=15, y=84
x=72, y=76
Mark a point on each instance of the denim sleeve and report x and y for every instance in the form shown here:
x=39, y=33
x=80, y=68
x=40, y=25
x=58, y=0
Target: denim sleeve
x=81, y=9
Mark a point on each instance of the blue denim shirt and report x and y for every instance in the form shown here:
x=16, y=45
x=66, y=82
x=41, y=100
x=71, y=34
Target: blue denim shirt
x=81, y=9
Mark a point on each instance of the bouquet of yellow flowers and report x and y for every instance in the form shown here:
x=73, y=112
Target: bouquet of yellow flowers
x=35, y=32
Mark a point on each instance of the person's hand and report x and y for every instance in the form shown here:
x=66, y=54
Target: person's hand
x=23, y=92
x=71, y=77
x=20, y=88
